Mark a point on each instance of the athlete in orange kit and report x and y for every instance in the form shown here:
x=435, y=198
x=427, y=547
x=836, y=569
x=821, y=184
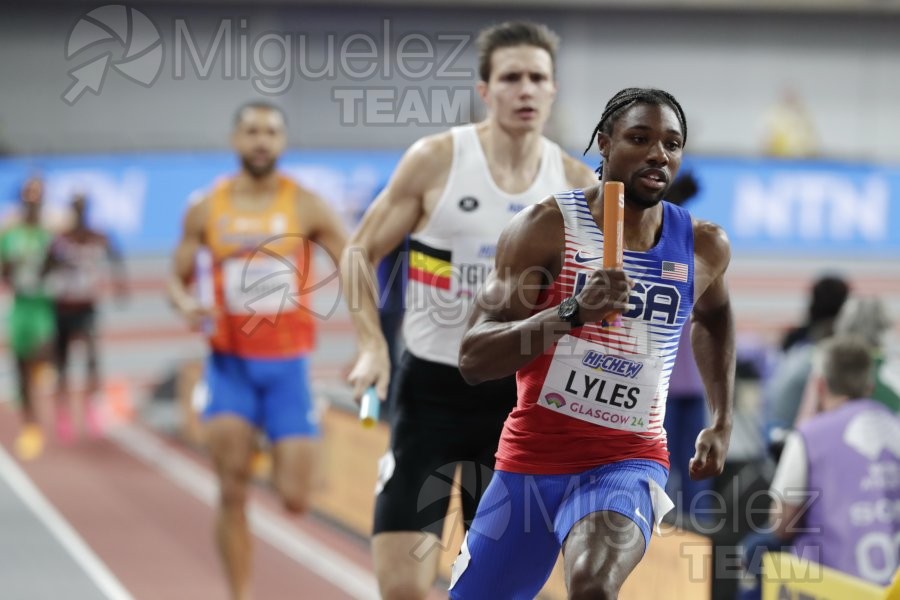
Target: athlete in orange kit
x=257, y=230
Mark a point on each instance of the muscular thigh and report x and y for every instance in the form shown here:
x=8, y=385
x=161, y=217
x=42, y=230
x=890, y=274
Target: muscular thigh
x=295, y=462
x=231, y=441
x=603, y=544
x=605, y=522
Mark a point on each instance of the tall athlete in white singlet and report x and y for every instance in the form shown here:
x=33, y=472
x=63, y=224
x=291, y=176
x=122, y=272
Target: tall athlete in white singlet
x=452, y=254
x=452, y=193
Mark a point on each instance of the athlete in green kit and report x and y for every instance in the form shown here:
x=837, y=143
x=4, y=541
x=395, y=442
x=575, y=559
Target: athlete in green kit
x=23, y=253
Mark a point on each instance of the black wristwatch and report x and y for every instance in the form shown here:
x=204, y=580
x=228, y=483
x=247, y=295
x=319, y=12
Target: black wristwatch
x=569, y=311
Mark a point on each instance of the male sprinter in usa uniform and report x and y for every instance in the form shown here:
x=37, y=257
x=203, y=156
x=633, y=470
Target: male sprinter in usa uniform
x=256, y=226
x=452, y=193
x=582, y=461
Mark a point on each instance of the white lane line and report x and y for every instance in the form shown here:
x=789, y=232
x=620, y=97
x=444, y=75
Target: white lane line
x=270, y=527
x=60, y=529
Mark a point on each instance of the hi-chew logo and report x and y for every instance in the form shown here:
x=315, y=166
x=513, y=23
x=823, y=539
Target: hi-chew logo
x=610, y=363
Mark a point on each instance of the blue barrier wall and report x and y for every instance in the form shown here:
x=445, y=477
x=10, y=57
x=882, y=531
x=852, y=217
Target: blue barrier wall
x=766, y=206
x=801, y=208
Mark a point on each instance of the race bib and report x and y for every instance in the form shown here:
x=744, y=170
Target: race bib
x=603, y=386
x=261, y=285
x=473, y=261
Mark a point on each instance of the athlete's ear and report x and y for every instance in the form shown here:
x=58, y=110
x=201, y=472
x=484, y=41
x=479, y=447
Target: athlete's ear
x=482, y=88
x=603, y=143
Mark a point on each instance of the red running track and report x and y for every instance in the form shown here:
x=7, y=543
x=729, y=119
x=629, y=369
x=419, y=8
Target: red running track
x=144, y=506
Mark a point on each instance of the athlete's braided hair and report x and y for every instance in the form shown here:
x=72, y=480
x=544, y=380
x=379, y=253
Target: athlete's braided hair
x=619, y=103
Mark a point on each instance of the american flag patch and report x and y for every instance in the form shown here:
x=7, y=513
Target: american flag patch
x=674, y=270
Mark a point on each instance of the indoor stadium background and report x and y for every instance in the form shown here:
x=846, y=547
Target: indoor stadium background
x=133, y=105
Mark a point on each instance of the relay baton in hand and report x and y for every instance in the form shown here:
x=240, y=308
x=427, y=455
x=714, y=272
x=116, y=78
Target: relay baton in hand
x=369, y=408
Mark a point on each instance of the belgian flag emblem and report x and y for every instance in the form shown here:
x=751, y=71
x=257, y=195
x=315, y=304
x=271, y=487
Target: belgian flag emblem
x=429, y=265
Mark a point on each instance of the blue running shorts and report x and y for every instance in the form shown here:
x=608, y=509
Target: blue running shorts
x=523, y=520
x=271, y=394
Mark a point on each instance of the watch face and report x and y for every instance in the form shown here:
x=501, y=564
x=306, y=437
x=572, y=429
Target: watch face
x=567, y=309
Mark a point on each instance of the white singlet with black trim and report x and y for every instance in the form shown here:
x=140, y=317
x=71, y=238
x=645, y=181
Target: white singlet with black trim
x=452, y=256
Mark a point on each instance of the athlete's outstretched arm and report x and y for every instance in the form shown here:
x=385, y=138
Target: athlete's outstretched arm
x=509, y=328
x=712, y=337
x=390, y=218
x=192, y=238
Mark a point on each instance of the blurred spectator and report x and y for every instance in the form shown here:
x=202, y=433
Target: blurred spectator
x=827, y=296
x=865, y=318
x=784, y=390
x=837, y=473
x=789, y=128
x=683, y=189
